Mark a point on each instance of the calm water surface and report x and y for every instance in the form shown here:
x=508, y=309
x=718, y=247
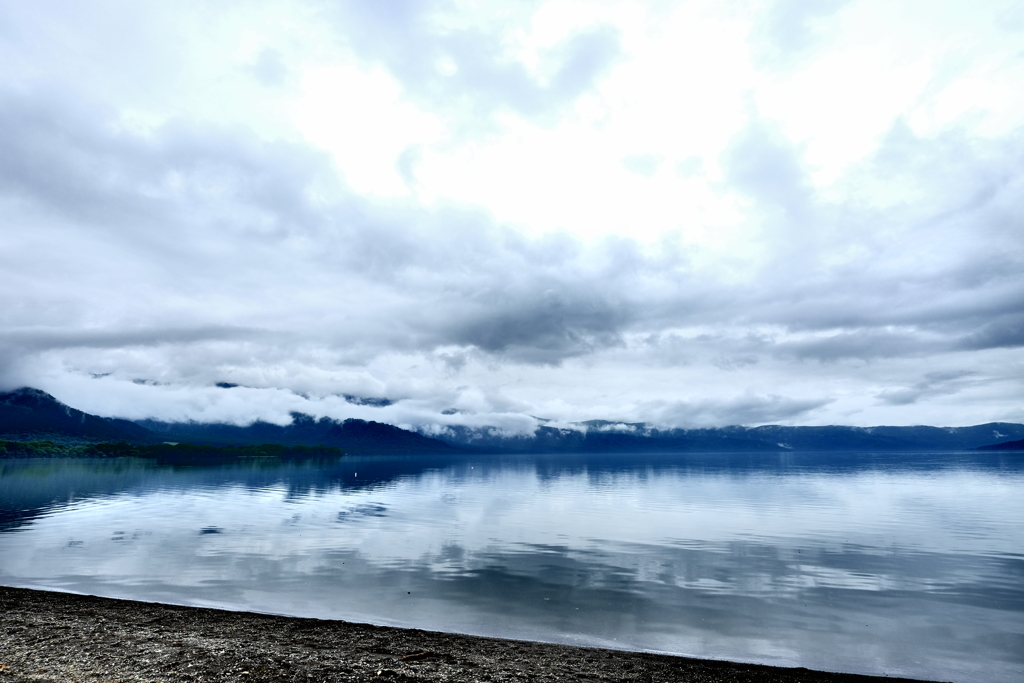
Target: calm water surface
x=903, y=565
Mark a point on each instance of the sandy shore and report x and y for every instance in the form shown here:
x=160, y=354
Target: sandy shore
x=48, y=636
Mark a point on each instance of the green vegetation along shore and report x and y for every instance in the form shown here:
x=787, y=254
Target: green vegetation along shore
x=166, y=452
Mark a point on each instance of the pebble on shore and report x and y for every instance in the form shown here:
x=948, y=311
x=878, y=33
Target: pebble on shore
x=58, y=637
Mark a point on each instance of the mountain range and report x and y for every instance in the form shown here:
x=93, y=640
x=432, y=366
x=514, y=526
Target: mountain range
x=28, y=413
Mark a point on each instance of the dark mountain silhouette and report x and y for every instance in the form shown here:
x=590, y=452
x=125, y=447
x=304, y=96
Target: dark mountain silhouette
x=29, y=412
x=598, y=436
x=915, y=438
x=1017, y=445
x=352, y=436
x=32, y=413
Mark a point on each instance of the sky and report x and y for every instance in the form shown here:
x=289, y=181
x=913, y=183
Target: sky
x=689, y=214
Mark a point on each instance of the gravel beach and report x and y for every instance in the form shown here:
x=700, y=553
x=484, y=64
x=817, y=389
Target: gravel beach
x=48, y=636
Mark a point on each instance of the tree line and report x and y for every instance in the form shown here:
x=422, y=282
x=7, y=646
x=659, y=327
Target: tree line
x=171, y=452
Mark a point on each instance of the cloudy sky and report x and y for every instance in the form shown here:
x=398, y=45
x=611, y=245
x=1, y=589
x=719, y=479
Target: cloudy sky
x=685, y=213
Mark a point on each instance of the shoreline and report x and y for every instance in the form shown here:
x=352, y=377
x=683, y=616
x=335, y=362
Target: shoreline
x=50, y=636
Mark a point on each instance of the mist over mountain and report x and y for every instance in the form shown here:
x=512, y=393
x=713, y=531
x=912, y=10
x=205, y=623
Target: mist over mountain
x=354, y=436
x=31, y=413
x=28, y=412
x=597, y=436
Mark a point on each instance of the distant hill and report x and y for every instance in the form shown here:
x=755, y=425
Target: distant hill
x=30, y=412
x=1005, y=446
x=599, y=436
x=173, y=453
x=353, y=436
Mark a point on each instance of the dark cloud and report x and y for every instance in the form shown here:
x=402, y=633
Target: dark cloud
x=734, y=362
x=211, y=207
x=70, y=159
x=933, y=384
x=742, y=410
x=120, y=338
x=924, y=278
x=864, y=344
x=544, y=327
x=1005, y=333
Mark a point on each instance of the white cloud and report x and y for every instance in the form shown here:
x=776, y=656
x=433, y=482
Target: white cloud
x=689, y=213
x=359, y=116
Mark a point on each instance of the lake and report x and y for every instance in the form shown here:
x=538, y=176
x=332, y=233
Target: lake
x=909, y=564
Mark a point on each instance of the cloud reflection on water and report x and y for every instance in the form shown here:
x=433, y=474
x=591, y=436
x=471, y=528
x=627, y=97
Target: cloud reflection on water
x=906, y=569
